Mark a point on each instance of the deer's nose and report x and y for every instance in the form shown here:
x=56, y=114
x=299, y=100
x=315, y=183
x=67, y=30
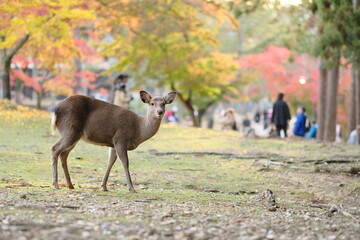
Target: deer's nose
x=160, y=112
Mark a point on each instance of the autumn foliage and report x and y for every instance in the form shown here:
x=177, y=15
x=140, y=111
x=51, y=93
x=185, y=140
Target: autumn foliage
x=280, y=70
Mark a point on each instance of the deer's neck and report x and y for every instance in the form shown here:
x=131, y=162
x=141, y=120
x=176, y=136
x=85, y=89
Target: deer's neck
x=149, y=127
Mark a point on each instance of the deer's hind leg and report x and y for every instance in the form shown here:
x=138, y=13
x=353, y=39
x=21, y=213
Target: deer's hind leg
x=66, y=143
x=63, y=156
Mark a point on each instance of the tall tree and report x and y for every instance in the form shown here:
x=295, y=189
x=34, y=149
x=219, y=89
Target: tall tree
x=331, y=104
x=44, y=23
x=353, y=32
x=330, y=15
x=322, y=100
x=182, y=54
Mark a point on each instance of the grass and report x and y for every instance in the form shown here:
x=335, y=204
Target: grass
x=25, y=157
x=167, y=172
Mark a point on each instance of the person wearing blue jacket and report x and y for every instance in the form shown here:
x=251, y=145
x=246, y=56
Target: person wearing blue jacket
x=299, y=129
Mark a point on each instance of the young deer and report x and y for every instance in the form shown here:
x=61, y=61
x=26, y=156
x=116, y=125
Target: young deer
x=104, y=124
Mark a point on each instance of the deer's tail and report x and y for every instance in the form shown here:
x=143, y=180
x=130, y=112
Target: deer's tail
x=53, y=114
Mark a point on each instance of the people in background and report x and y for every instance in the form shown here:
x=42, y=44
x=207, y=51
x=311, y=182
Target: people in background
x=280, y=115
x=228, y=120
x=121, y=96
x=266, y=119
x=246, y=123
x=354, y=137
x=338, y=133
x=170, y=116
x=299, y=129
x=312, y=131
x=257, y=117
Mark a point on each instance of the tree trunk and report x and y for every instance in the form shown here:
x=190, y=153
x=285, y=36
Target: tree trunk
x=321, y=109
x=188, y=106
x=331, y=104
x=352, y=108
x=6, y=61
x=356, y=4
x=6, y=79
x=38, y=99
x=191, y=112
x=19, y=87
x=357, y=99
x=201, y=113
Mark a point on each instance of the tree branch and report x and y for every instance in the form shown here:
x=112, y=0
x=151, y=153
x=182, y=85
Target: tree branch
x=46, y=78
x=18, y=46
x=190, y=96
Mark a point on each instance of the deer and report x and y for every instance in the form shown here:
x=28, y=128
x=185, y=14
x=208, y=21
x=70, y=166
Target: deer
x=105, y=124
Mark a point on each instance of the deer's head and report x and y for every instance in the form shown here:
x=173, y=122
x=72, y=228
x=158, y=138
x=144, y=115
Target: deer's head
x=157, y=104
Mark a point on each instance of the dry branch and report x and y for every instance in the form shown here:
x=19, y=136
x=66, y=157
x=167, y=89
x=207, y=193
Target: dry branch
x=351, y=170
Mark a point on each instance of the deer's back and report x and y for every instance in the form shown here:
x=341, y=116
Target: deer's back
x=97, y=121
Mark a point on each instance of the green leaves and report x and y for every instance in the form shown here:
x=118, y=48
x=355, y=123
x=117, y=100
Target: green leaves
x=339, y=27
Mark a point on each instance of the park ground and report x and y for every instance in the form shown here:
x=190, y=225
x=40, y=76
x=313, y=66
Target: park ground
x=191, y=183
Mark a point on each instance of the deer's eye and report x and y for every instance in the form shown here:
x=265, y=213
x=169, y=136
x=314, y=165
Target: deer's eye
x=152, y=104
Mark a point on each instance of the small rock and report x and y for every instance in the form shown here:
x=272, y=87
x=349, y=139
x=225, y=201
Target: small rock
x=86, y=234
x=23, y=196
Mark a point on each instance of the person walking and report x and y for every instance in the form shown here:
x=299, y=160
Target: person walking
x=281, y=115
x=299, y=129
x=121, y=97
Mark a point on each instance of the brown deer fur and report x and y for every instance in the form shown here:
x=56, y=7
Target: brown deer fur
x=104, y=124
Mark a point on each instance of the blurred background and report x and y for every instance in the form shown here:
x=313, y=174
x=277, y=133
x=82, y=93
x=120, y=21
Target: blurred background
x=217, y=55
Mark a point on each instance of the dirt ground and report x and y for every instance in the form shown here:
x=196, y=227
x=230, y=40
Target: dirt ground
x=191, y=183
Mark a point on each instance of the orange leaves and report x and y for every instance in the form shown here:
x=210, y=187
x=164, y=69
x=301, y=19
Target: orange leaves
x=90, y=76
x=84, y=46
x=27, y=80
x=271, y=64
x=278, y=74
x=60, y=86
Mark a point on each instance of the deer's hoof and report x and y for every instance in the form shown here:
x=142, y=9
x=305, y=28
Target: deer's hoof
x=71, y=187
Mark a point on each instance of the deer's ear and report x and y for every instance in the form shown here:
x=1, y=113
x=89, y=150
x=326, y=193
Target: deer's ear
x=170, y=97
x=145, y=97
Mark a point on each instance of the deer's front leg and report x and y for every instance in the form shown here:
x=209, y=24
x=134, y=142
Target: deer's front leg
x=122, y=154
x=112, y=160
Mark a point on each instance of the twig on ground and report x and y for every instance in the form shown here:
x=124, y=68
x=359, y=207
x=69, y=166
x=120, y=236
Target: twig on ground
x=351, y=170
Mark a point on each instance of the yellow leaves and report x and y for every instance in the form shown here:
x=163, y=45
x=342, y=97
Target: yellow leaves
x=20, y=115
x=9, y=41
x=63, y=90
x=206, y=35
x=75, y=13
